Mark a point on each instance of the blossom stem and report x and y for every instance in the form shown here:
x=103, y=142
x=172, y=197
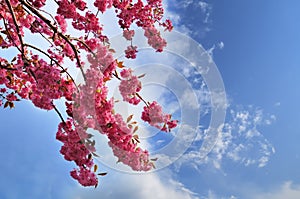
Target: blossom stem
x=138, y=95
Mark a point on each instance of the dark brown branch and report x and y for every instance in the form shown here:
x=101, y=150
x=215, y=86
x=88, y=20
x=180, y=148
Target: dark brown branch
x=16, y=25
x=6, y=67
x=28, y=12
x=10, y=37
x=59, y=114
x=56, y=31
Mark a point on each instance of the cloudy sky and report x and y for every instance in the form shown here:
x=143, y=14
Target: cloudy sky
x=254, y=154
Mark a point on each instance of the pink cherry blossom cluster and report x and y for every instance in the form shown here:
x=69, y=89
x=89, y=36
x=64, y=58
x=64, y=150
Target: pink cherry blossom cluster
x=130, y=52
x=128, y=34
x=129, y=86
x=40, y=74
x=154, y=38
x=155, y=117
x=137, y=159
x=102, y=59
x=46, y=76
x=102, y=5
x=75, y=149
x=145, y=16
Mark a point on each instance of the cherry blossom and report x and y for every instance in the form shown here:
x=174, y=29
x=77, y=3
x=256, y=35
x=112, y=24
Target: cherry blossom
x=130, y=52
x=154, y=115
x=128, y=34
x=40, y=74
x=129, y=86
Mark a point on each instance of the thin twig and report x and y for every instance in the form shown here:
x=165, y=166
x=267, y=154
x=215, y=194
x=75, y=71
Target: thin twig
x=59, y=114
x=138, y=95
x=85, y=45
x=56, y=62
x=10, y=37
x=116, y=76
x=56, y=31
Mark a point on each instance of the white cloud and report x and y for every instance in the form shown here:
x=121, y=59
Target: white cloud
x=277, y=104
x=211, y=50
x=206, y=9
x=221, y=45
x=204, y=6
x=239, y=140
x=287, y=190
x=146, y=186
x=204, y=14
x=176, y=18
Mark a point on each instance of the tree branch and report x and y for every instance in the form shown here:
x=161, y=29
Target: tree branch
x=16, y=25
x=10, y=37
x=56, y=31
x=59, y=114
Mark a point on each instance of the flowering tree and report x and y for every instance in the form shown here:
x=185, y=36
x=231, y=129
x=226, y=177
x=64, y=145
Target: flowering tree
x=40, y=74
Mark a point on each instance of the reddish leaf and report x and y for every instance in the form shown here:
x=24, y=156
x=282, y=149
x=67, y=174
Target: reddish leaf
x=154, y=159
x=101, y=174
x=135, y=129
x=95, y=167
x=112, y=50
x=120, y=64
x=94, y=154
x=6, y=104
x=140, y=76
x=129, y=118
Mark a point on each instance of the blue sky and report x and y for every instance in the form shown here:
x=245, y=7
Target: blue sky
x=255, y=45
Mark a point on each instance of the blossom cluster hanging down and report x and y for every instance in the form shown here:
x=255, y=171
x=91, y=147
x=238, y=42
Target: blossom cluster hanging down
x=40, y=74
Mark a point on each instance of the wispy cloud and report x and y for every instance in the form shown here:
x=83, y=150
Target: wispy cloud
x=203, y=10
x=239, y=140
x=218, y=46
x=184, y=3
x=206, y=9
